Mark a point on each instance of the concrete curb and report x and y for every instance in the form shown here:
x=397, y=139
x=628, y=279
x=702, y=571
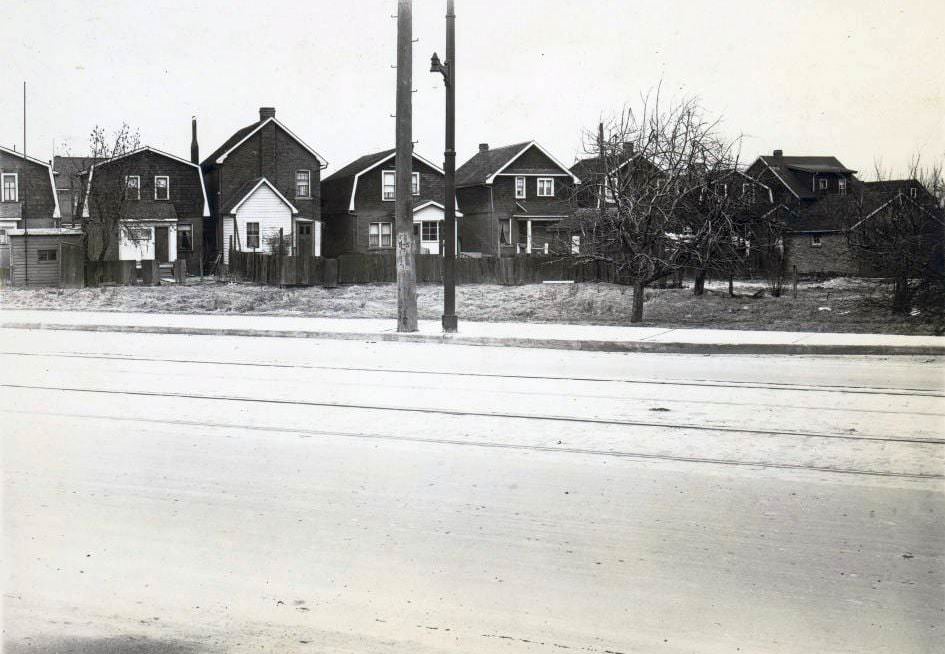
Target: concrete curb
x=680, y=347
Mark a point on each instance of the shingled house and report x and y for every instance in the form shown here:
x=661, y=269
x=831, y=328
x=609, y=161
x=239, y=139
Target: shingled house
x=358, y=205
x=262, y=179
x=512, y=198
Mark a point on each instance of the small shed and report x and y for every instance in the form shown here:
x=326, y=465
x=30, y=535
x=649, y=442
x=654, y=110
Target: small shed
x=47, y=256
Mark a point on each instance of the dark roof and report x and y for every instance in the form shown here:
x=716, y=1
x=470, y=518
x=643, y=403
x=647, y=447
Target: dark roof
x=783, y=167
x=237, y=136
x=359, y=164
x=486, y=162
x=150, y=211
x=69, y=167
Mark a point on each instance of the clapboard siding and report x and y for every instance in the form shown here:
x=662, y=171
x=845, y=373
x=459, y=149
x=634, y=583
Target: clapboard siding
x=263, y=207
x=41, y=273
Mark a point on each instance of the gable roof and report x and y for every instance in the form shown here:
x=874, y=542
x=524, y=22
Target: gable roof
x=782, y=168
x=368, y=162
x=219, y=155
x=485, y=165
x=52, y=181
x=246, y=190
x=66, y=168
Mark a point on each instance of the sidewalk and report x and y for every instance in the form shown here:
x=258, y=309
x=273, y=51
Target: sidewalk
x=508, y=334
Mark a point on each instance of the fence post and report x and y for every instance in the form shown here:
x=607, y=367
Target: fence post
x=794, y=274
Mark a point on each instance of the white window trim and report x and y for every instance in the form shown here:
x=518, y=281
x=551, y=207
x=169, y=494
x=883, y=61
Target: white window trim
x=137, y=177
x=259, y=241
x=309, y=173
x=156, y=178
x=823, y=184
x=913, y=192
x=380, y=235
x=815, y=241
x=188, y=228
x=538, y=192
x=524, y=192
x=430, y=222
x=16, y=187
x=414, y=177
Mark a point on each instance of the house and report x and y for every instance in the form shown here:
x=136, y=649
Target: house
x=599, y=175
x=28, y=203
x=67, y=176
x=512, y=199
x=142, y=205
x=801, y=180
x=358, y=205
x=262, y=179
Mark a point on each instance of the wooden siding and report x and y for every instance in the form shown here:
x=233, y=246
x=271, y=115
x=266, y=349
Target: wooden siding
x=41, y=273
x=263, y=207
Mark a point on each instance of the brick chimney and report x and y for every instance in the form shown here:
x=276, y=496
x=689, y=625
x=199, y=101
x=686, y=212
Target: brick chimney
x=779, y=153
x=267, y=112
x=483, y=147
x=194, y=147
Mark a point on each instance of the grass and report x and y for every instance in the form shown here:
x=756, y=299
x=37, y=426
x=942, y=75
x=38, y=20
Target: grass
x=838, y=305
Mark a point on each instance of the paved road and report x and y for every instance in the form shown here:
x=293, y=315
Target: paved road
x=204, y=494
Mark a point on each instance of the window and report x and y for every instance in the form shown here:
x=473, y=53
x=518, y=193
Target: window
x=506, y=235
x=162, y=187
x=4, y=239
x=46, y=255
x=252, y=235
x=185, y=238
x=546, y=187
x=10, y=187
x=379, y=235
x=842, y=188
x=608, y=194
x=748, y=191
x=913, y=192
x=430, y=231
x=303, y=184
x=132, y=187
x=822, y=183
x=389, y=185
x=722, y=189
x=140, y=234
x=575, y=244
x=815, y=240
x=519, y=188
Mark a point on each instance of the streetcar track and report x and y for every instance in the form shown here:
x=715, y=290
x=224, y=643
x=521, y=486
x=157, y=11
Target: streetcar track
x=477, y=414
x=499, y=445
x=711, y=383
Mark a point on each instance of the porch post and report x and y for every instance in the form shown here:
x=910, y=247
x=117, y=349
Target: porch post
x=528, y=242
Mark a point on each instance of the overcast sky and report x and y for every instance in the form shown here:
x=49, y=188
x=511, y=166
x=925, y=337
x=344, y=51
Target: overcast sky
x=859, y=79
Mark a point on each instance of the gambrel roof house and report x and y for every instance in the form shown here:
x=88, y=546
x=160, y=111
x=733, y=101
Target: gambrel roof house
x=263, y=179
x=358, y=205
x=802, y=177
x=27, y=190
x=512, y=198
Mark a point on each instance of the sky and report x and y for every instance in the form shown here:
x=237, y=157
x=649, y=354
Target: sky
x=862, y=80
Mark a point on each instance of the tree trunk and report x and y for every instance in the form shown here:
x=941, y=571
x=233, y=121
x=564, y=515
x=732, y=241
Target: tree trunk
x=636, y=314
x=698, y=286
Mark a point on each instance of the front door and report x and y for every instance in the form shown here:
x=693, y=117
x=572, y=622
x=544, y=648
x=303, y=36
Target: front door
x=303, y=239
x=160, y=245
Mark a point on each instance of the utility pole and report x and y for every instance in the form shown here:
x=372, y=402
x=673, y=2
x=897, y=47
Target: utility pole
x=403, y=212
x=448, y=70
x=24, y=190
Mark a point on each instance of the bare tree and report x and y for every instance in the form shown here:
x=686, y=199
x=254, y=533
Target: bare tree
x=108, y=187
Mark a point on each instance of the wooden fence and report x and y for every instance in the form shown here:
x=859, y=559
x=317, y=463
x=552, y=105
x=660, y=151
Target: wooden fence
x=375, y=268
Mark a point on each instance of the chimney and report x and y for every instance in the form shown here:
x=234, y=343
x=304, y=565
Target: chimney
x=194, y=147
x=267, y=112
x=779, y=153
x=628, y=148
x=483, y=147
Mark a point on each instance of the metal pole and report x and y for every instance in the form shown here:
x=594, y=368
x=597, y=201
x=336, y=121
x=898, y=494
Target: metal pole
x=450, y=321
x=403, y=213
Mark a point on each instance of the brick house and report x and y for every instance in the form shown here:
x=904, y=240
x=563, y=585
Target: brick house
x=161, y=201
x=512, y=199
x=358, y=205
x=262, y=179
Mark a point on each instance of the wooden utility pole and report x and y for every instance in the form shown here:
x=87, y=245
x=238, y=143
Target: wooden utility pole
x=403, y=213
x=24, y=190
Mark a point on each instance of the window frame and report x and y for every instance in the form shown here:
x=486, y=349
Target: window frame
x=308, y=184
x=253, y=233
x=135, y=234
x=16, y=187
x=137, y=188
x=4, y=237
x=436, y=228
x=823, y=184
x=505, y=221
x=380, y=235
x=414, y=184
x=521, y=193
x=913, y=192
x=167, y=187
x=538, y=184
x=815, y=241
x=575, y=244
x=842, y=186
x=51, y=254
x=185, y=228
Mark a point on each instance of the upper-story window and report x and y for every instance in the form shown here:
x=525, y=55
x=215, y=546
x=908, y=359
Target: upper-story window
x=842, y=186
x=748, y=191
x=822, y=183
x=546, y=187
x=162, y=187
x=913, y=192
x=11, y=187
x=303, y=184
x=132, y=187
x=519, y=188
x=389, y=185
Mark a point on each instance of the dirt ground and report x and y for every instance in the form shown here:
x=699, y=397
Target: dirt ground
x=837, y=305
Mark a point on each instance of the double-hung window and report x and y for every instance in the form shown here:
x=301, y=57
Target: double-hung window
x=519, y=188
x=913, y=192
x=185, y=238
x=506, y=227
x=546, y=187
x=822, y=184
x=842, y=186
x=10, y=187
x=303, y=184
x=132, y=187
x=162, y=187
x=380, y=235
x=252, y=236
x=389, y=185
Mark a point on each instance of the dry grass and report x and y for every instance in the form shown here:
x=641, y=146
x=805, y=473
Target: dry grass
x=603, y=304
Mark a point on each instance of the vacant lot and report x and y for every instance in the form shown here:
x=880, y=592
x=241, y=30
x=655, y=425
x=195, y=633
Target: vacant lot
x=837, y=305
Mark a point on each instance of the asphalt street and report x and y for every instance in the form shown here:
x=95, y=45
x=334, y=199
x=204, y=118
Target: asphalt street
x=185, y=494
